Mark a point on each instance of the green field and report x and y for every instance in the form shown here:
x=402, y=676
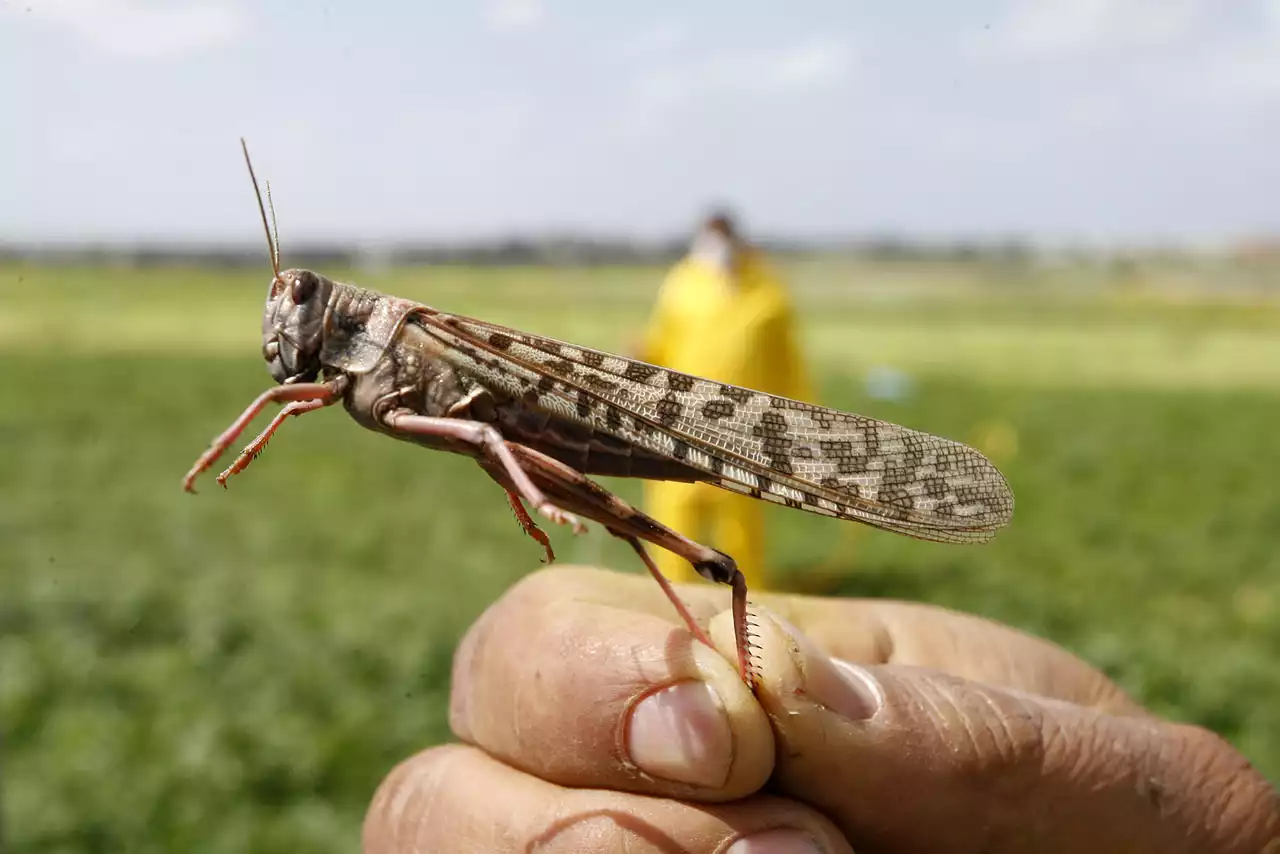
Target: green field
x=236, y=670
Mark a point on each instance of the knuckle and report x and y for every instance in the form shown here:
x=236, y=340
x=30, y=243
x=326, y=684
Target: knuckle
x=1241, y=808
x=999, y=739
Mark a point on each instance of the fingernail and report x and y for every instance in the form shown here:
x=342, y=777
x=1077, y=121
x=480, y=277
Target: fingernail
x=776, y=842
x=847, y=689
x=681, y=733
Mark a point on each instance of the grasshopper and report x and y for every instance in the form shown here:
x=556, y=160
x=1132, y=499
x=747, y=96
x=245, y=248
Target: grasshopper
x=540, y=415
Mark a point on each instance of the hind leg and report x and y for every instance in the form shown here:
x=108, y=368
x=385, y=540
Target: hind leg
x=742, y=635
x=570, y=489
x=488, y=446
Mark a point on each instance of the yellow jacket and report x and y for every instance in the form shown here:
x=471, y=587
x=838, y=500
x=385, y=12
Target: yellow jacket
x=733, y=332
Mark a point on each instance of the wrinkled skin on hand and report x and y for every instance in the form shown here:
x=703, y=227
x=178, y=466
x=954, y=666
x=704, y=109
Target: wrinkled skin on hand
x=590, y=720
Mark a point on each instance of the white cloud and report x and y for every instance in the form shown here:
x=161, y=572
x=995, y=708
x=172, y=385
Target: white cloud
x=91, y=140
x=1242, y=67
x=1248, y=71
x=648, y=43
x=1179, y=50
x=1057, y=29
x=679, y=86
x=514, y=16
x=805, y=67
x=139, y=30
x=817, y=65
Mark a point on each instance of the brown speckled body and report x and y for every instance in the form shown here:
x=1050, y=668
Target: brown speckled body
x=414, y=372
x=405, y=370
x=599, y=413
x=540, y=415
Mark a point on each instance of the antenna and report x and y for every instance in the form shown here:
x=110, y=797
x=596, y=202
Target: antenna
x=273, y=237
x=275, y=229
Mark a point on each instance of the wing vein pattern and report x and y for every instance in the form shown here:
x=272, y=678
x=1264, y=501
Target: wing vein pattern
x=785, y=451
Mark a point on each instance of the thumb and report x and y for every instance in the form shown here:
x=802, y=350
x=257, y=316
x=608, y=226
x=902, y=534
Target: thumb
x=908, y=758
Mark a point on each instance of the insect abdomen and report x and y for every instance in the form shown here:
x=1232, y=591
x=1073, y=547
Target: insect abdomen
x=583, y=448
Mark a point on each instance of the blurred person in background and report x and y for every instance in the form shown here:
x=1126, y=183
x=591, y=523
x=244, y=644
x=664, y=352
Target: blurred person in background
x=722, y=313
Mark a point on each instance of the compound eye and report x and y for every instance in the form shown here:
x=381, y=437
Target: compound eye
x=304, y=287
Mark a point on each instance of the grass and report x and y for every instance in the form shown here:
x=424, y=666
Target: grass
x=237, y=670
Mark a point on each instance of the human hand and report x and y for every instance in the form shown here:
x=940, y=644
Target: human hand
x=592, y=721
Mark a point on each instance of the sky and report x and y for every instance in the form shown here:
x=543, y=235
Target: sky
x=1057, y=120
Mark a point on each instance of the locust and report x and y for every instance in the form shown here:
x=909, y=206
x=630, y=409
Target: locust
x=540, y=415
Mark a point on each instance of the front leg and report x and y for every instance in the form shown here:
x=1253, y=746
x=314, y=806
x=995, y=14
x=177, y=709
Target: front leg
x=258, y=445
x=489, y=446
x=326, y=392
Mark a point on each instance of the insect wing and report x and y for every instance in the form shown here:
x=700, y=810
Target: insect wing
x=781, y=450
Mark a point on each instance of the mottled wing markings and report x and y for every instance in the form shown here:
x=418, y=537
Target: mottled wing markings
x=793, y=453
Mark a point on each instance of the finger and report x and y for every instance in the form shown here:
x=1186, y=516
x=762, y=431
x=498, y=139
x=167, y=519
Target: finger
x=598, y=695
x=906, y=758
x=456, y=798
x=869, y=631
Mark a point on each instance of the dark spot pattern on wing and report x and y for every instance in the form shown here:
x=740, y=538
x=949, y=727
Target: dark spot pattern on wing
x=669, y=409
x=823, y=418
x=717, y=409
x=848, y=458
x=640, y=372
x=679, y=382
x=585, y=403
x=613, y=418
x=560, y=367
x=597, y=382
x=834, y=463
x=775, y=442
